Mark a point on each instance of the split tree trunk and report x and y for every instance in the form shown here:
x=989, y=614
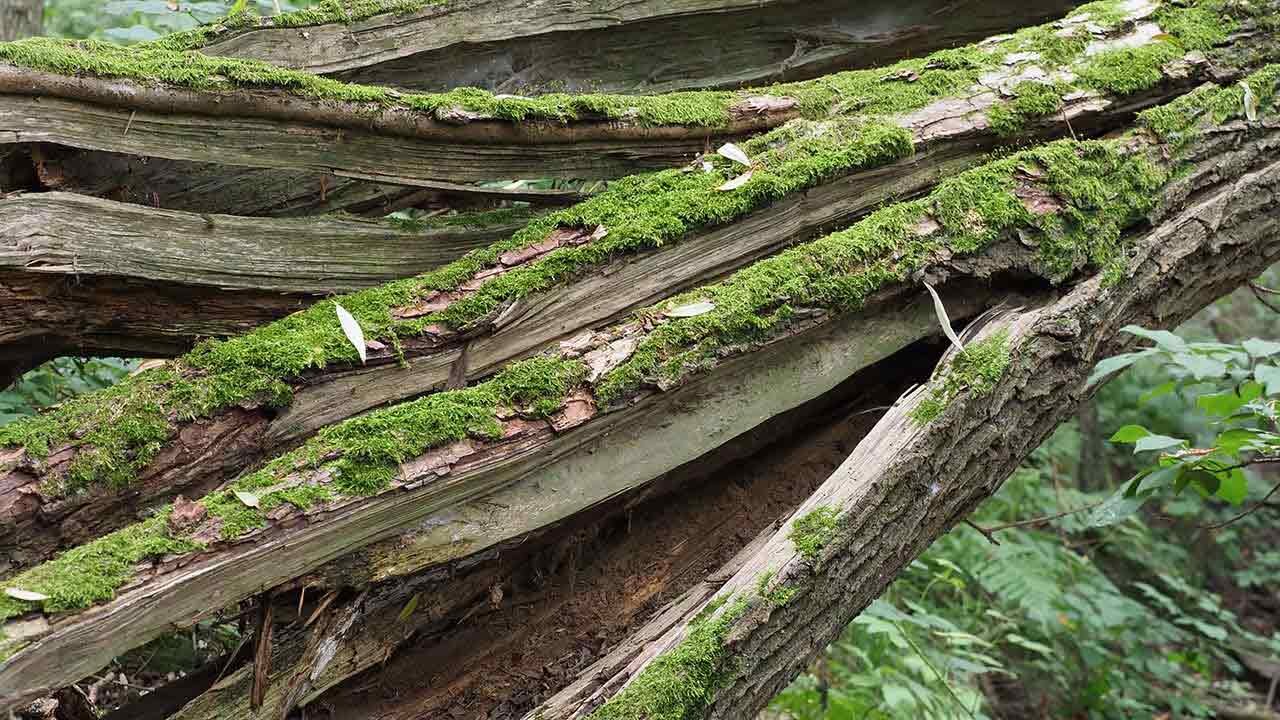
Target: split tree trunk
x=442, y=531
x=947, y=134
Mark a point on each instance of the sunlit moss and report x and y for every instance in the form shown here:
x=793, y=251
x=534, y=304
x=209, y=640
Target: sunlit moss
x=681, y=682
x=813, y=531
x=975, y=370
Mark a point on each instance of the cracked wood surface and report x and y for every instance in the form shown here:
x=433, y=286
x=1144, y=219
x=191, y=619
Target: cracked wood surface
x=630, y=47
x=454, y=628
x=685, y=422
x=906, y=484
x=949, y=135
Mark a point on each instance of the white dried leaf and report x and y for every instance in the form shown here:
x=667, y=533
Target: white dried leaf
x=737, y=182
x=1250, y=102
x=707, y=166
x=943, y=320
x=691, y=310
x=352, y=330
x=25, y=595
x=734, y=153
x=247, y=498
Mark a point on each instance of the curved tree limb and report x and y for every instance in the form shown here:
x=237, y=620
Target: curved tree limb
x=949, y=134
x=908, y=483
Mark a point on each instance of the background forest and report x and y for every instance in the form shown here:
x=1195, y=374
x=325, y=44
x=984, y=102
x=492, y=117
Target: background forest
x=1042, y=613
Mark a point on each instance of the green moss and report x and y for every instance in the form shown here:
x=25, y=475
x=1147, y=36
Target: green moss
x=92, y=572
x=1178, y=123
x=680, y=683
x=811, y=532
x=1031, y=100
x=777, y=597
x=1098, y=190
x=640, y=213
x=1198, y=26
x=976, y=370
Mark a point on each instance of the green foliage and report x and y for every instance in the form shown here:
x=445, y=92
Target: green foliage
x=1116, y=625
x=59, y=380
x=132, y=21
x=1235, y=386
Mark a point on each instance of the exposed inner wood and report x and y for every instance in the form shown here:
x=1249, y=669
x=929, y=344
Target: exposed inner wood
x=571, y=589
x=906, y=484
x=950, y=136
x=752, y=44
x=685, y=422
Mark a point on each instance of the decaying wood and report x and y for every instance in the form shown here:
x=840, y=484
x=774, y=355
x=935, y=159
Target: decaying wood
x=906, y=484
x=743, y=486
x=86, y=276
x=272, y=129
x=219, y=189
x=631, y=47
x=684, y=423
x=83, y=237
x=949, y=135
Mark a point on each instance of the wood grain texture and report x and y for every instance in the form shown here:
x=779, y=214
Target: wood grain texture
x=950, y=135
x=906, y=484
x=628, y=47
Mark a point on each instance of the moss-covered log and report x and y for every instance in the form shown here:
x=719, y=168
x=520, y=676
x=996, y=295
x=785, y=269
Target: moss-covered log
x=721, y=357
x=628, y=47
x=510, y=299
x=154, y=101
x=910, y=481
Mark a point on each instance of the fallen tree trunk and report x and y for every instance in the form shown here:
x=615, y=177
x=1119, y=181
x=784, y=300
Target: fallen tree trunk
x=155, y=102
x=910, y=481
x=495, y=322
x=310, y=502
x=646, y=47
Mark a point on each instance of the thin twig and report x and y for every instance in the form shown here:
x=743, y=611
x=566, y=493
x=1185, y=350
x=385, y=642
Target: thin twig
x=989, y=533
x=1260, y=291
x=1256, y=506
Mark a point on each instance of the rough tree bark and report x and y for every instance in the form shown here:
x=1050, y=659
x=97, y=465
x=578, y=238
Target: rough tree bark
x=949, y=133
x=598, y=367
x=20, y=19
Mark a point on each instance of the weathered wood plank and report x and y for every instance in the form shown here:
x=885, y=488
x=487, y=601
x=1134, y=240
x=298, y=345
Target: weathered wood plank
x=631, y=47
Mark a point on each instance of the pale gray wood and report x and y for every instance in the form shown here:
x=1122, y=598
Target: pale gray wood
x=20, y=19
x=906, y=484
x=74, y=235
x=630, y=47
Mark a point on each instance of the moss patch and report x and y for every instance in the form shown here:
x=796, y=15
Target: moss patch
x=1031, y=100
x=321, y=13
x=976, y=370
x=1178, y=123
x=1097, y=189
x=92, y=572
x=811, y=532
x=640, y=213
x=681, y=682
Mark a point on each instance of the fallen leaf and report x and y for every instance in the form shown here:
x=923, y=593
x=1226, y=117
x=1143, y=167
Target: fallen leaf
x=352, y=330
x=409, y=608
x=247, y=498
x=737, y=182
x=691, y=310
x=707, y=166
x=1250, y=102
x=25, y=595
x=734, y=153
x=943, y=320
